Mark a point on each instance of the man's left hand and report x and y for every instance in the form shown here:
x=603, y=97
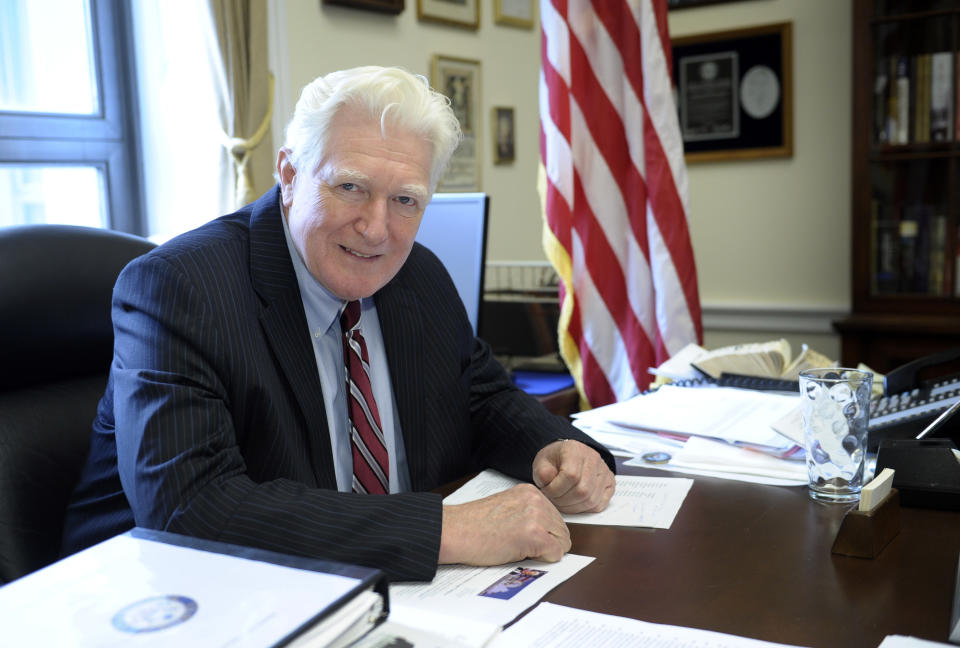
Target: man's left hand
x=574, y=477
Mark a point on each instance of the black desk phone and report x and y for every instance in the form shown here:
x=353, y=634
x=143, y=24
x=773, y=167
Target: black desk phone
x=909, y=404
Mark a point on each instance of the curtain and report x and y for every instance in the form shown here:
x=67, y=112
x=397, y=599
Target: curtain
x=244, y=87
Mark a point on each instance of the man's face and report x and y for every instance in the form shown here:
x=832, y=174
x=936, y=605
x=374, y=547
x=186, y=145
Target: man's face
x=354, y=219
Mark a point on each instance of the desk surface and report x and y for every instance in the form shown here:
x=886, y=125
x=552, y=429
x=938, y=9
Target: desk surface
x=755, y=561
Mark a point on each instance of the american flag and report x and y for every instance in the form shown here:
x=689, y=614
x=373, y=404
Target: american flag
x=614, y=191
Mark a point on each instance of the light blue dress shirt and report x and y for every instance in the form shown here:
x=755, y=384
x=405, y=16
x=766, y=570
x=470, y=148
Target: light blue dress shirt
x=323, y=319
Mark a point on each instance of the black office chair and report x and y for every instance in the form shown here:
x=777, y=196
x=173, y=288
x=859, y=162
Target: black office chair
x=56, y=345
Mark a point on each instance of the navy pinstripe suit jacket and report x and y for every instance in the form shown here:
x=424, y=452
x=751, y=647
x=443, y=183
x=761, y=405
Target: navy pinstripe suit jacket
x=213, y=423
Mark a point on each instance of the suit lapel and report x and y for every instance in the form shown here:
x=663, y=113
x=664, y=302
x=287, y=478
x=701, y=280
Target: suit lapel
x=400, y=323
x=284, y=325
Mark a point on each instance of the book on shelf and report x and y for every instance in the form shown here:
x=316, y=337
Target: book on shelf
x=938, y=254
x=885, y=238
x=153, y=588
x=890, y=129
x=915, y=246
x=956, y=263
x=772, y=359
x=956, y=96
x=881, y=88
x=903, y=100
x=922, y=99
x=914, y=98
x=941, y=97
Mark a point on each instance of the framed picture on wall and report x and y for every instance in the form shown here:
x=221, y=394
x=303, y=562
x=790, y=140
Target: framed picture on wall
x=459, y=80
x=462, y=13
x=683, y=4
x=735, y=93
x=504, y=141
x=517, y=13
x=381, y=6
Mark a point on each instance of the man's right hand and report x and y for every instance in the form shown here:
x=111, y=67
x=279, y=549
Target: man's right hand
x=512, y=525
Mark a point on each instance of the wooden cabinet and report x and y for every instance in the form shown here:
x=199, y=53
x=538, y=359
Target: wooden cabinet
x=906, y=258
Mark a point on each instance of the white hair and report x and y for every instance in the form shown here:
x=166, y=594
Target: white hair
x=390, y=95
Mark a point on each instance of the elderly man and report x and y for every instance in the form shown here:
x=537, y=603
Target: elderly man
x=298, y=375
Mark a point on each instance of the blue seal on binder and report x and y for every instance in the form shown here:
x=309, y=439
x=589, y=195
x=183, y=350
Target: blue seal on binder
x=154, y=613
x=657, y=457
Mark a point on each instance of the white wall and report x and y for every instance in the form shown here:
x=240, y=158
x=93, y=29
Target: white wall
x=771, y=237
x=320, y=38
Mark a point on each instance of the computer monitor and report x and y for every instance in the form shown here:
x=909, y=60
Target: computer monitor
x=454, y=227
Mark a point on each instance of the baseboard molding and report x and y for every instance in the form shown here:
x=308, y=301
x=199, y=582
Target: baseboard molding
x=767, y=317
x=536, y=281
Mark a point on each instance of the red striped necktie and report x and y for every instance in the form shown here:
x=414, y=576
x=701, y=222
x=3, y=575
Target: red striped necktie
x=371, y=468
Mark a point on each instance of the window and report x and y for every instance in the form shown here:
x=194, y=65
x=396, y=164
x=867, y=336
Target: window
x=68, y=150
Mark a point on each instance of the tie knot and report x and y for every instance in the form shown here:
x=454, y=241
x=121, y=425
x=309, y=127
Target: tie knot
x=350, y=316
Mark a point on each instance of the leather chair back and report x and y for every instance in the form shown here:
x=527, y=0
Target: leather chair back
x=56, y=345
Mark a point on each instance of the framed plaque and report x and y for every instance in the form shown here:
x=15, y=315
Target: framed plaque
x=461, y=13
x=735, y=93
x=381, y=6
x=459, y=80
x=684, y=4
x=504, y=141
x=517, y=13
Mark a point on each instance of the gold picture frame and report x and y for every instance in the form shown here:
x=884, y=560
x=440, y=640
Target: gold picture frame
x=459, y=79
x=752, y=68
x=463, y=13
x=381, y=6
x=516, y=13
x=503, y=127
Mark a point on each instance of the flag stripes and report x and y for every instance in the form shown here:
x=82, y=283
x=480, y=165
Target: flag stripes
x=613, y=187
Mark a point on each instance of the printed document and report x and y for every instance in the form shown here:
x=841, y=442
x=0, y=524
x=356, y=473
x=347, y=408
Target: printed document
x=557, y=626
x=719, y=459
x=901, y=641
x=726, y=413
x=410, y=626
x=638, y=501
x=495, y=595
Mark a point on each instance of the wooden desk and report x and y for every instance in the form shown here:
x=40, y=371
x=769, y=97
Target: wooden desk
x=755, y=561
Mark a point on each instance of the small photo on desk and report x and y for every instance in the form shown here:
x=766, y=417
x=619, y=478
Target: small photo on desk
x=505, y=588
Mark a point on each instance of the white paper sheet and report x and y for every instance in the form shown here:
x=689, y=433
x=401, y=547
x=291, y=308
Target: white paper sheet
x=427, y=629
x=900, y=641
x=637, y=442
x=238, y=602
x=557, y=626
x=750, y=479
x=494, y=595
x=706, y=454
x=638, y=501
x=720, y=412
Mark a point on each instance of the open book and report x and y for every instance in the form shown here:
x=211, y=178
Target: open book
x=771, y=359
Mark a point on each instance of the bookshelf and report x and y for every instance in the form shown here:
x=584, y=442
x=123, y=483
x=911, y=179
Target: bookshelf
x=906, y=167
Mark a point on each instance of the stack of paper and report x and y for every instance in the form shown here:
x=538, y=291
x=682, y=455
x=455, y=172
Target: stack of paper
x=754, y=435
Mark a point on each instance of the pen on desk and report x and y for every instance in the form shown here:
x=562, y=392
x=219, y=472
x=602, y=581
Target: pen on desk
x=940, y=420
